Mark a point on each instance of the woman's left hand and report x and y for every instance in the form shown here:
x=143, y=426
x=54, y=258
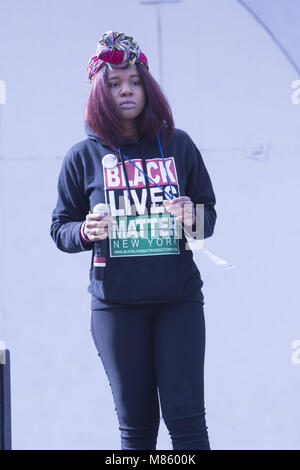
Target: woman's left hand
x=182, y=208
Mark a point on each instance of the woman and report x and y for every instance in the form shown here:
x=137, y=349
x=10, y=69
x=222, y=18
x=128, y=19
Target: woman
x=147, y=307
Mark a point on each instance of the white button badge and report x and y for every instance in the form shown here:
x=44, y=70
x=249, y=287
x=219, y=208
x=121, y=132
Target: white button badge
x=110, y=161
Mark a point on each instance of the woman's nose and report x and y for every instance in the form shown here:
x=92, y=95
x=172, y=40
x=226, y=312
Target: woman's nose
x=125, y=89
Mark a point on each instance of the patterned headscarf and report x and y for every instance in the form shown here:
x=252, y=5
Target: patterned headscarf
x=118, y=50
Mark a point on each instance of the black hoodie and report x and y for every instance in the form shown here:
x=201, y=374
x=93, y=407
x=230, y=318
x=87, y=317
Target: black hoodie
x=147, y=259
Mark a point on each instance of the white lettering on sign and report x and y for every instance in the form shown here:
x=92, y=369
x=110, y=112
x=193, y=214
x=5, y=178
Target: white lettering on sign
x=115, y=177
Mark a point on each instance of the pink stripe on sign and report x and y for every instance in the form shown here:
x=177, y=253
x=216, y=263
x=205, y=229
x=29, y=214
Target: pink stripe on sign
x=115, y=178
x=99, y=260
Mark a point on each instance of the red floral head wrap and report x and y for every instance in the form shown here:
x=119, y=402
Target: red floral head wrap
x=117, y=50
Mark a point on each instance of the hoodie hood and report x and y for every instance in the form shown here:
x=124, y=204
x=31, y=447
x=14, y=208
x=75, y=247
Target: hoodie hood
x=93, y=134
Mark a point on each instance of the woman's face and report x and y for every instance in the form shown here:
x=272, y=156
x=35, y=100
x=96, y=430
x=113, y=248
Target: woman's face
x=127, y=92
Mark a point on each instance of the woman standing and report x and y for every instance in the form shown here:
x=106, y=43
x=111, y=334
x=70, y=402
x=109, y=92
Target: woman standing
x=147, y=317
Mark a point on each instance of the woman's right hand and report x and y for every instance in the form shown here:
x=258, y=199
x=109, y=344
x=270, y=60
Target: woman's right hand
x=96, y=226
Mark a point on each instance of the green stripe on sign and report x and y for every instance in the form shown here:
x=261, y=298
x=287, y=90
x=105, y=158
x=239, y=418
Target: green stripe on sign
x=156, y=234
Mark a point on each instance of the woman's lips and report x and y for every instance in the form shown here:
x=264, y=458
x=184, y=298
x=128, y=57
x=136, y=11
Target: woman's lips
x=127, y=105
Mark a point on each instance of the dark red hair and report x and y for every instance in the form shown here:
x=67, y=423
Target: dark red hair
x=103, y=118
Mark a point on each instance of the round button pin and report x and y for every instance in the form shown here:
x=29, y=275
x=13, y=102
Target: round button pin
x=109, y=161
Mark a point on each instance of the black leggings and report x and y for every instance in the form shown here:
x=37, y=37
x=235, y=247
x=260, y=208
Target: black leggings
x=151, y=348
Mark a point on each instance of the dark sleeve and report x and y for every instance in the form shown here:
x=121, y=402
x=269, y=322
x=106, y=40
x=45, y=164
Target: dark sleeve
x=71, y=208
x=199, y=188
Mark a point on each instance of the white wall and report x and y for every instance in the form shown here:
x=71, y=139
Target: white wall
x=229, y=85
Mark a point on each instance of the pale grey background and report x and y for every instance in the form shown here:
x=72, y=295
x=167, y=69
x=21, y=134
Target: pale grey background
x=228, y=69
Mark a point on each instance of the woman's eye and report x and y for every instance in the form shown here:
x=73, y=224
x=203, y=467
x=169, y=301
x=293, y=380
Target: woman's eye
x=136, y=83
x=114, y=85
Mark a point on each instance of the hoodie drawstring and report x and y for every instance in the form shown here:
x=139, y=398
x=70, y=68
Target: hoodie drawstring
x=162, y=154
x=170, y=196
x=126, y=177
